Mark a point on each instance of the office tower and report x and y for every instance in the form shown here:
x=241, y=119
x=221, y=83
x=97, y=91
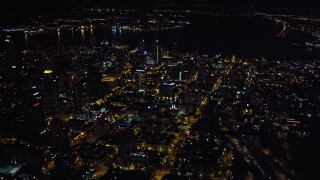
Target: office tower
x=157, y=52
x=12, y=60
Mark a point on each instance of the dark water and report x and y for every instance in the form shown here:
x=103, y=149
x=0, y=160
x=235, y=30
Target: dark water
x=244, y=37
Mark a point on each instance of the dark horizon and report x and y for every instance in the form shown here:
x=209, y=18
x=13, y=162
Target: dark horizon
x=16, y=9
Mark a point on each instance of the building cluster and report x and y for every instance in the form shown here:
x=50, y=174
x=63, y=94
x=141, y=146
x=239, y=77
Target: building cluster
x=110, y=111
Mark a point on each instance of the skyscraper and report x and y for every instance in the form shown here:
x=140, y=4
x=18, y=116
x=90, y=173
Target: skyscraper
x=12, y=60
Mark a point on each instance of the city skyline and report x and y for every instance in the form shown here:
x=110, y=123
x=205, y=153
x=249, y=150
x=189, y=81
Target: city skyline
x=163, y=90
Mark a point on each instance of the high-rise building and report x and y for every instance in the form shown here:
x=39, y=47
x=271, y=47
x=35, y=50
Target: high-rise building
x=168, y=92
x=12, y=60
x=142, y=45
x=139, y=77
x=157, y=52
x=49, y=92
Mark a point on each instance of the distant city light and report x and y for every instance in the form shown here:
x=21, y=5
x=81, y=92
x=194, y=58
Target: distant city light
x=35, y=93
x=48, y=71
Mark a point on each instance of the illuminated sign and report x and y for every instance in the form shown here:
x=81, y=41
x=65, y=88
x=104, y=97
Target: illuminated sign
x=141, y=69
x=35, y=105
x=169, y=84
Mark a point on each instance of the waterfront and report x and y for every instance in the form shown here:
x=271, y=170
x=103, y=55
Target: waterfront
x=243, y=36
